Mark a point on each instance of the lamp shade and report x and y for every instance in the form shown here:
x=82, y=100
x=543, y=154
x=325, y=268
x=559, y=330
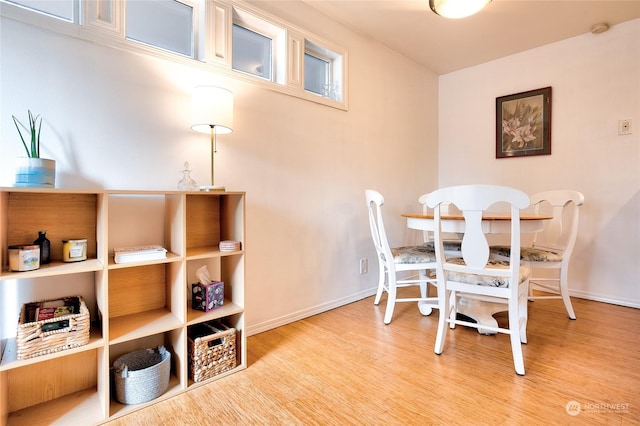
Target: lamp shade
x=457, y=8
x=212, y=107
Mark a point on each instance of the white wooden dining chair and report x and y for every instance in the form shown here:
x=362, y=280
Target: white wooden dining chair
x=552, y=247
x=475, y=274
x=399, y=266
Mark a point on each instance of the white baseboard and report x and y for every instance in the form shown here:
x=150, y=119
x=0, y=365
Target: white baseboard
x=305, y=313
x=604, y=299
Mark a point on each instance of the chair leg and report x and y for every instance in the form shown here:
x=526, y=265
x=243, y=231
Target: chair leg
x=516, y=345
x=444, y=297
x=564, y=292
x=529, y=288
x=523, y=300
x=391, y=299
x=453, y=309
x=381, y=279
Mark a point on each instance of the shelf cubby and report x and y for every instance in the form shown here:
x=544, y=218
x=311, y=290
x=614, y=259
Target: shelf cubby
x=54, y=388
x=145, y=298
x=173, y=342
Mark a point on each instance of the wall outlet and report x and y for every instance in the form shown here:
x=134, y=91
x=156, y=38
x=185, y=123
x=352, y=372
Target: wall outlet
x=624, y=127
x=364, y=265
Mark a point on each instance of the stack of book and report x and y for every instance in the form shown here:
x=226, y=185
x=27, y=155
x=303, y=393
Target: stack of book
x=139, y=253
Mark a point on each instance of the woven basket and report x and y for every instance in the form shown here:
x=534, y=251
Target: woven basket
x=36, y=338
x=212, y=350
x=142, y=375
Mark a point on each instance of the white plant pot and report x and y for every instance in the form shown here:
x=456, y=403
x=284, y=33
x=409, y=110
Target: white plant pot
x=35, y=172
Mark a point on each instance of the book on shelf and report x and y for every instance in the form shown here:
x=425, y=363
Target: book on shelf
x=139, y=253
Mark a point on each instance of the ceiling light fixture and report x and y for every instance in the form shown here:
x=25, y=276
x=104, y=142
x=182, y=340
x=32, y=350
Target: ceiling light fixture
x=455, y=9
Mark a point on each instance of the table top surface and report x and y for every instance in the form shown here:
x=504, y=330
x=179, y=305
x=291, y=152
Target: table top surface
x=485, y=216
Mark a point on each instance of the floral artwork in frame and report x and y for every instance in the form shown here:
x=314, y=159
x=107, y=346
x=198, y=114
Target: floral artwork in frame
x=523, y=124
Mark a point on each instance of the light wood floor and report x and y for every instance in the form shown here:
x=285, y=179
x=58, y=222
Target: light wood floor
x=345, y=367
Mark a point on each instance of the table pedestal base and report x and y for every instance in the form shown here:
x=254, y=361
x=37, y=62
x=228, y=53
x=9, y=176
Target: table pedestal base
x=481, y=312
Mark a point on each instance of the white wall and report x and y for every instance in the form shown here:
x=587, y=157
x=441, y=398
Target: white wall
x=120, y=120
x=596, y=82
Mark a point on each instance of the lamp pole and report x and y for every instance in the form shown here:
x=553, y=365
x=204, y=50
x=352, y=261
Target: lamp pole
x=212, y=111
x=213, y=150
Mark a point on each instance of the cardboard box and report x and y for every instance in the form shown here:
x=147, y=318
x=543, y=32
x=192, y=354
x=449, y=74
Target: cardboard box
x=206, y=297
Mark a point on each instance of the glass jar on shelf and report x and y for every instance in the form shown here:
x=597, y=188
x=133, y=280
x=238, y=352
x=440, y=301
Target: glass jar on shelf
x=187, y=183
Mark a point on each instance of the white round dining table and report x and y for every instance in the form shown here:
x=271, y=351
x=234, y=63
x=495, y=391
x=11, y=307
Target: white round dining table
x=492, y=223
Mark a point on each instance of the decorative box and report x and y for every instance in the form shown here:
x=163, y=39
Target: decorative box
x=67, y=326
x=212, y=350
x=206, y=297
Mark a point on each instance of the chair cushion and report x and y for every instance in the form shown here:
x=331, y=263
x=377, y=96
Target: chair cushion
x=413, y=254
x=486, y=280
x=528, y=254
x=448, y=245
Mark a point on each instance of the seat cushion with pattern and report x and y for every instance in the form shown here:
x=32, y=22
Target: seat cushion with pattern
x=529, y=254
x=448, y=245
x=413, y=254
x=486, y=280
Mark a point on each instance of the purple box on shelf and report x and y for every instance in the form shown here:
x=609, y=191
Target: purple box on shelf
x=206, y=297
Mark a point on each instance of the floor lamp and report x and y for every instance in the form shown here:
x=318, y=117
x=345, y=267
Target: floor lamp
x=212, y=112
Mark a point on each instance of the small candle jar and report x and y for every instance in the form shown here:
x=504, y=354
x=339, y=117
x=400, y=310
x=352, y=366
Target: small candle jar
x=74, y=250
x=24, y=258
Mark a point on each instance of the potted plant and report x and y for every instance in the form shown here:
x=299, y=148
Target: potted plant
x=33, y=171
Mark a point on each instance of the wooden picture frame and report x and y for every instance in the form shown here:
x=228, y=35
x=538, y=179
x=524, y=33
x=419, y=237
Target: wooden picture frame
x=523, y=124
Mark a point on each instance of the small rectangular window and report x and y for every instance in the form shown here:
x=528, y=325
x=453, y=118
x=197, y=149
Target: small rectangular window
x=323, y=74
x=252, y=52
x=316, y=74
x=63, y=9
x=167, y=24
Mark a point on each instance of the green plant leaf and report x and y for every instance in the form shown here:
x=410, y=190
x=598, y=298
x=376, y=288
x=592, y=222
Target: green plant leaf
x=38, y=141
x=34, y=129
x=32, y=126
x=16, y=122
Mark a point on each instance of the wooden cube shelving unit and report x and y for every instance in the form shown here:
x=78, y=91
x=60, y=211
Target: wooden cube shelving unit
x=133, y=305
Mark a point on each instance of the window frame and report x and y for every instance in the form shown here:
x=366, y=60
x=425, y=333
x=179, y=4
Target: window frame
x=75, y=11
x=254, y=20
x=212, y=42
x=194, y=37
x=272, y=65
x=335, y=69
